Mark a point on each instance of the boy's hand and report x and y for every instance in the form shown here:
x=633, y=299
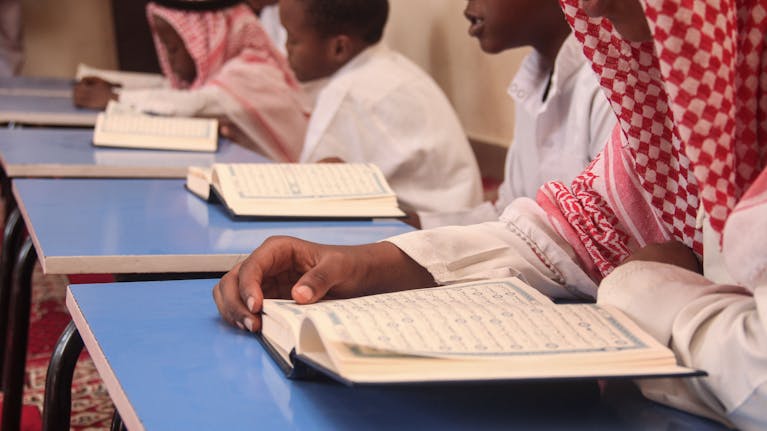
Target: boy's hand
x=413, y=219
x=331, y=160
x=290, y=268
x=94, y=93
x=229, y=130
x=671, y=252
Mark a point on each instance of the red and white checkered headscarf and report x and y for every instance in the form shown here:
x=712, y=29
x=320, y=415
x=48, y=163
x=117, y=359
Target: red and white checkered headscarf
x=212, y=38
x=231, y=50
x=692, y=110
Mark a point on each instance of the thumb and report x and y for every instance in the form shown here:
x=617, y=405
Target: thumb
x=317, y=282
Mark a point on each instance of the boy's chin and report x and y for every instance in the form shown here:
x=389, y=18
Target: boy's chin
x=490, y=46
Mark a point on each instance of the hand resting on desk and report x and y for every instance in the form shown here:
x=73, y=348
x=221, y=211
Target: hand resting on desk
x=290, y=268
x=93, y=93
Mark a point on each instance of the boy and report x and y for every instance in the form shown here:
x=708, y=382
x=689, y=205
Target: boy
x=629, y=219
x=562, y=119
x=219, y=63
x=377, y=106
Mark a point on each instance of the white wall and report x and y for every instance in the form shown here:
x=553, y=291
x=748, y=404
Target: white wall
x=58, y=34
x=434, y=33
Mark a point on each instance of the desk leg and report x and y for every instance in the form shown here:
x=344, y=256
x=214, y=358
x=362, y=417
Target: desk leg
x=57, y=406
x=117, y=422
x=16, y=341
x=7, y=191
x=12, y=236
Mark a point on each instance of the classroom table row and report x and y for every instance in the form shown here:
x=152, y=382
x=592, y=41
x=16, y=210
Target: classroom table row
x=42, y=102
x=166, y=358
x=130, y=225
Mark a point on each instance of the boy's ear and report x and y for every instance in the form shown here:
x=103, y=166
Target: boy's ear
x=342, y=49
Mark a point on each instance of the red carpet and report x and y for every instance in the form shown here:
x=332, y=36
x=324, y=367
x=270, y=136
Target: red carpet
x=91, y=407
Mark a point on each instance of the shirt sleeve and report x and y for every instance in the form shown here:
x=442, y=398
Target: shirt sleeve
x=201, y=102
x=718, y=328
x=521, y=244
x=486, y=211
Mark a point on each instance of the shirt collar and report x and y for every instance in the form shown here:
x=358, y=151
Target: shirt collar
x=530, y=82
x=363, y=57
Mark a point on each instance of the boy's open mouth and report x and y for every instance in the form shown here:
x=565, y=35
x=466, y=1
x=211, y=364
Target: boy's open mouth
x=477, y=24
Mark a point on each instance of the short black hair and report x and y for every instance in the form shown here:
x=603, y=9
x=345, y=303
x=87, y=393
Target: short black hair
x=365, y=19
x=198, y=5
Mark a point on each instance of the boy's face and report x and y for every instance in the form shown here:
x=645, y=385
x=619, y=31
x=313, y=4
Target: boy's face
x=506, y=24
x=309, y=53
x=180, y=61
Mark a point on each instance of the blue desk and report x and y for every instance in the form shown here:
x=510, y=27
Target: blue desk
x=44, y=111
x=126, y=226
x=70, y=153
x=36, y=86
x=41, y=102
x=169, y=362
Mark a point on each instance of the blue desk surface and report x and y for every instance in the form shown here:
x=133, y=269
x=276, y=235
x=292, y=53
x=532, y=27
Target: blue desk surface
x=39, y=152
x=41, y=101
x=169, y=362
x=32, y=85
x=155, y=225
x=44, y=110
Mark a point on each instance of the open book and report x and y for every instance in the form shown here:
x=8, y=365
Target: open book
x=310, y=190
x=120, y=127
x=479, y=331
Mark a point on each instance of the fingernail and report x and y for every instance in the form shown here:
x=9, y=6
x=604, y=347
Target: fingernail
x=248, y=323
x=240, y=325
x=251, y=303
x=303, y=292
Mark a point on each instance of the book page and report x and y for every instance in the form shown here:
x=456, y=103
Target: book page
x=309, y=181
x=198, y=180
x=478, y=320
x=192, y=128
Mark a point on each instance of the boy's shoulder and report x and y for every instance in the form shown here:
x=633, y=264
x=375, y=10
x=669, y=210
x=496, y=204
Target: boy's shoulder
x=380, y=71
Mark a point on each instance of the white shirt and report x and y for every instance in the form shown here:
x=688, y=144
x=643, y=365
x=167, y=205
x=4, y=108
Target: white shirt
x=254, y=97
x=204, y=101
x=554, y=139
x=716, y=322
x=381, y=108
x=521, y=244
x=270, y=20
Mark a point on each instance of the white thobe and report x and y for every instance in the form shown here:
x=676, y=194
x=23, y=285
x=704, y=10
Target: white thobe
x=521, y=244
x=716, y=322
x=381, y=108
x=270, y=20
x=269, y=113
x=205, y=101
x=554, y=139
